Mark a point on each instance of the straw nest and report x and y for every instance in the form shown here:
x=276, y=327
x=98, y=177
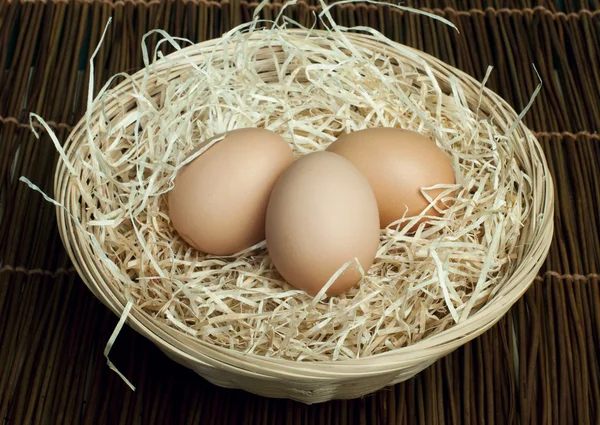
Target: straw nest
x=309, y=86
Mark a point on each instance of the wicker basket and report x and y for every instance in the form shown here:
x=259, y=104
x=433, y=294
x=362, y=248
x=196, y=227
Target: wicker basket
x=320, y=381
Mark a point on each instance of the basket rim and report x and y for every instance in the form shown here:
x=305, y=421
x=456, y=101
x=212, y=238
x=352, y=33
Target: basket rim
x=383, y=363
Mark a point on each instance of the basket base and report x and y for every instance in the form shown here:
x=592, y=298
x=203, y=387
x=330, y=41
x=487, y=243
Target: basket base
x=317, y=391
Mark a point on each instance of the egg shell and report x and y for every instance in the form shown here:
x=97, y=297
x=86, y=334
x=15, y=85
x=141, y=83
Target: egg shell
x=219, y=201
x=397, y=163
x=322, y=214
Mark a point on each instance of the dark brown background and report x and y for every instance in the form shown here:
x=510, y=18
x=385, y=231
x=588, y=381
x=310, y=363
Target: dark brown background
x=540, y=364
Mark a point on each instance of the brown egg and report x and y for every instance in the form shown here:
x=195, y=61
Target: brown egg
x=219, y=201
x=322, y=214
x=397, y=163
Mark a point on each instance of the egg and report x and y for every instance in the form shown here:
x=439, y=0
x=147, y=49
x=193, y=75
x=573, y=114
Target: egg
x=397, y=163
x=219, y=201
x=322, y=214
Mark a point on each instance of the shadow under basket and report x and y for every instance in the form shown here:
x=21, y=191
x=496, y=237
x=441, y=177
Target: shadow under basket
x=318, y=381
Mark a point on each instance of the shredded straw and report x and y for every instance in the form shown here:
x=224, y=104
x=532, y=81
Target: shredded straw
x=309, y=87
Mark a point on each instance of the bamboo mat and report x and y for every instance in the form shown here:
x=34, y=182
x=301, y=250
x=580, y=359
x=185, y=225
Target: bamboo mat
x=539, y=365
